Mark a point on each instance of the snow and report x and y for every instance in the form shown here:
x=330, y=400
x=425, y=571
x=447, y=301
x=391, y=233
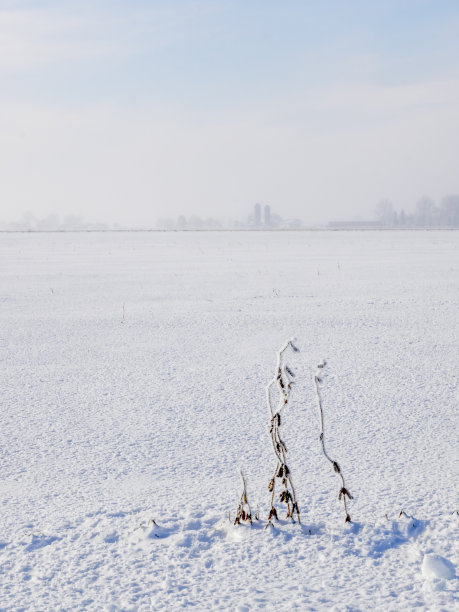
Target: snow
x=436, y=566
x=134, y=368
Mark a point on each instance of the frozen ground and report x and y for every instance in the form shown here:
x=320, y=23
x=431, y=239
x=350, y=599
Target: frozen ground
x=133, y=370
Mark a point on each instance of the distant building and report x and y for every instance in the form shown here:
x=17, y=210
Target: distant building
x=269, y=221
x=267, y=216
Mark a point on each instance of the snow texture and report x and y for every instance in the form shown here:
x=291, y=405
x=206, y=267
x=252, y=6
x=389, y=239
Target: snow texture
x=134, y=368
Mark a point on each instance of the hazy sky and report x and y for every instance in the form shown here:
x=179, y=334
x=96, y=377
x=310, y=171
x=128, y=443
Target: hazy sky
x=128, y=111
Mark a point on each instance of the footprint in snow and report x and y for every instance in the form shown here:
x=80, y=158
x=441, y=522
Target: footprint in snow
x=193, y=525
x=111, y=538
x=40, y=542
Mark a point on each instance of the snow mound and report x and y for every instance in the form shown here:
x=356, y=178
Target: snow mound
x=435, y=566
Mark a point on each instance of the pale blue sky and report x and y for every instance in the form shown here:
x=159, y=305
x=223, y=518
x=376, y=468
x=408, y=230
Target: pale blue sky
x=128, y=111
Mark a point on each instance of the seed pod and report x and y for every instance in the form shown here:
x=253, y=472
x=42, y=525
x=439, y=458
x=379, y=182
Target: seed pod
x=271, y=484
x=280, y=473
x=285, y=496
x=347, y=519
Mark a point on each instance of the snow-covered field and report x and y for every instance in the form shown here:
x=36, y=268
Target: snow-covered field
x=133, y=382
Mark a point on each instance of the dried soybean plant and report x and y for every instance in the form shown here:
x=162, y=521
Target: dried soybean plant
x=343, y=493
x=244, y=513
x=283, y=379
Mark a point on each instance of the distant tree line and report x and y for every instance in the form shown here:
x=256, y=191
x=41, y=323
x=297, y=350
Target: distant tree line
x=256, y=220
x=426, y=214
x=53, y=222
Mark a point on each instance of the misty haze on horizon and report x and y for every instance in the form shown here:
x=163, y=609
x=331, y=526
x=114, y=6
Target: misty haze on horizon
x=159, y=114
x=426, y=215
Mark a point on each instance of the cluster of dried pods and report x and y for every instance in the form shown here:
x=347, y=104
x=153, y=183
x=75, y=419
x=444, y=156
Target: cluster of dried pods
x=244, y=512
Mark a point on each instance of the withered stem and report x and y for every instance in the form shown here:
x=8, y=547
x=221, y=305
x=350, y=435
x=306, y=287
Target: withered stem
x=283, y=381
x=336, y=468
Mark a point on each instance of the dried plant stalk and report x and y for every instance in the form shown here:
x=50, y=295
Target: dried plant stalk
x=343, y=493
x=244, y=513
x=283, y=380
